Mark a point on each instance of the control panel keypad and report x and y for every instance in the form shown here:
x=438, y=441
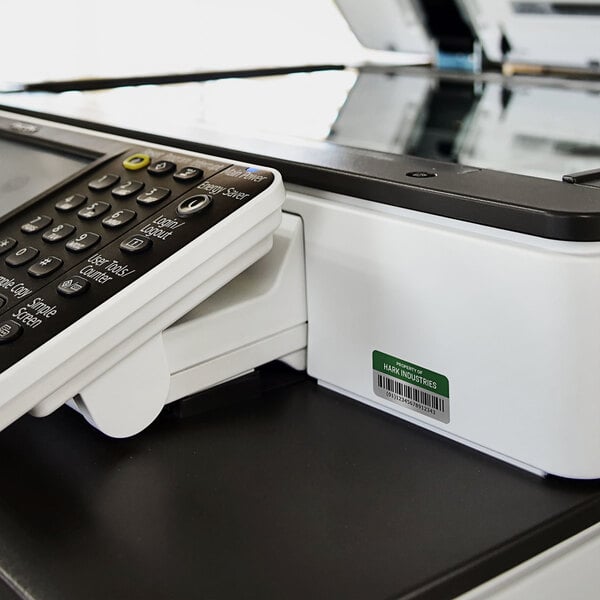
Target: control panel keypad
x=70, y=202
x=83, y=242
x=188, y=174
x=118, y=228
x=126, y=189
x=7, y=244
x=73, y=286
x=162, y=167
x=154, y=195
x=103, y=182
x=58, y=233
x=119, y=218
x=46, y=266
x=93, y=210
x=137, y=161
x=136, y=244
x=22, y=256
x=36, y=224
x=9, y=331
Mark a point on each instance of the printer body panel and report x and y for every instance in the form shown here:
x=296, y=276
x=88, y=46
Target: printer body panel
x=510, y=321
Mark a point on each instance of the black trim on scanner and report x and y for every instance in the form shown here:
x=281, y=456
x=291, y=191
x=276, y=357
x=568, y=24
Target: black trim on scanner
x=99, y=83
x=530, y=205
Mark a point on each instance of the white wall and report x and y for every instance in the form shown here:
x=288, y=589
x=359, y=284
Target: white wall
x=54, y=39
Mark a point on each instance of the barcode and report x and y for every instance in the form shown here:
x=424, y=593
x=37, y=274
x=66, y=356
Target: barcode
x=411, y=394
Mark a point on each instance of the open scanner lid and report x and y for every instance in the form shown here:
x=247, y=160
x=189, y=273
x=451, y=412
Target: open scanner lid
x=433, y=28
x=536, y=32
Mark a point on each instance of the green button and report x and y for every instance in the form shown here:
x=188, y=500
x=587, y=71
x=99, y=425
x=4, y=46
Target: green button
x=136, y=162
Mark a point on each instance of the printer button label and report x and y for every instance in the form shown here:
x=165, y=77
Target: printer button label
x=411, y=386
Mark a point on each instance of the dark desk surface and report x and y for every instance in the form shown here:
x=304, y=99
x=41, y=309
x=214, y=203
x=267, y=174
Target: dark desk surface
x=299, y=494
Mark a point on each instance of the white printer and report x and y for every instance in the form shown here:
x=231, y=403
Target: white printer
x=458, y=293
x=438, y=256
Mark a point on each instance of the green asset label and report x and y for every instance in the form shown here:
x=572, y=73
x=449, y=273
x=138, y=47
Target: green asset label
x=411, y=386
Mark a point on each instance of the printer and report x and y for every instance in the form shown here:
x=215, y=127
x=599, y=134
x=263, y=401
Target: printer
x=436, y=257
x=447, y=260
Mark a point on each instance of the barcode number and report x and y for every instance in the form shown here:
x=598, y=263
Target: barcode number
x=410, y=393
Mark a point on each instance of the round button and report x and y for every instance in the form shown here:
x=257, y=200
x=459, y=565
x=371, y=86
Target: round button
x=421, y=174
x=137, y=161
x=193, y=205
x=9, y=331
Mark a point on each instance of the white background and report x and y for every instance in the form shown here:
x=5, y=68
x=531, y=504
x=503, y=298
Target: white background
x=44, y=40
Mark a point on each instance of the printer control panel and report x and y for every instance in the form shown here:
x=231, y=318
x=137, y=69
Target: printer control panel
x=68, y=252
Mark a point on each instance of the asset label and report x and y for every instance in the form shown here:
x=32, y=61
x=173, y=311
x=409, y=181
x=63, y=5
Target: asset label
x=411, y=386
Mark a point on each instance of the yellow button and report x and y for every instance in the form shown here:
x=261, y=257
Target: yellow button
x=136, y=162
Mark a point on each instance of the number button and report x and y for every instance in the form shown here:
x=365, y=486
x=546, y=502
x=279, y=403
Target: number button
x=82, y=242
x=70, y=202
x=187, y=174
x=9, y=331
x=127, y=189
x=153, y=195
x=36, y=224
x=118, y=219
x=162, y=167
x=58, y=233
x=45, y=267
x=103, y=182
x=7, y=244
x=21, y=256
x=93, y=210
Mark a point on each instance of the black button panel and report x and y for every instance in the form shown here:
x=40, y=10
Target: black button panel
x=193, y=205
x=7, y=244
x=45, y=267
x=188, y=174
x=70, y=202
x=36, y=224
x=126, y=189
x=84, y=242
x=9, y=331
x=154, y=195
x=119, y=218
x=105, y=181
x=162, y=167
x=136, y=244
x=93, y=210
x=58, y=233
x=21, y=256
x=73, y=286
